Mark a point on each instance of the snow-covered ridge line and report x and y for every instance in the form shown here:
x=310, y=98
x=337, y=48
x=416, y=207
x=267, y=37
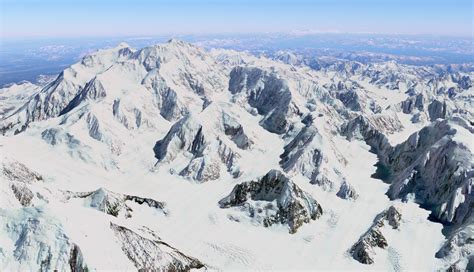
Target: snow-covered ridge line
x=201, y=148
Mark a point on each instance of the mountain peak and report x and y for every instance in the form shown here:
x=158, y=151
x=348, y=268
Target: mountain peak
x=123, y=45
x=174, y=40
x=180, y=44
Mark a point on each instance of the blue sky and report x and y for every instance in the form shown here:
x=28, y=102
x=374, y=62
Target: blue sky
x=76, y=18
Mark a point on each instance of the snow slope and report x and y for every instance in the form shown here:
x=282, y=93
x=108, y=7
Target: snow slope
x=173, y=157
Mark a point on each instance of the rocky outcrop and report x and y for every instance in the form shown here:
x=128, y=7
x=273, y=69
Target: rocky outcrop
x=112, y=203
x=152, y=254
x=436, y=165
x=272, y=199
x=202, y=169
x=235, y=131
x=20, y=177
x=93, y=127
x=458, y=250
x=350, y=99
x=17, y=171
x=371, y=130
x=412, y=103
x=165, y=98
x=205, y=153
x=464, y=82
x=93, y=90
x=347, y=191
x=267, y=93
x=437, y=109
x=363, y=250
x=22, y=193
x=304, y=155
x=353, y=96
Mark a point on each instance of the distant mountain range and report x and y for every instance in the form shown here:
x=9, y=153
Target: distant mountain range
x=28, y=59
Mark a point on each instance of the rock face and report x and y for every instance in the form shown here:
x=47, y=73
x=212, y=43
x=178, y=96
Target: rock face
x=363, y=250
x=353, y=96
x=412, y=103
x=187, y=135
x=165, y=98
x=152, y=254
x=235, y=131
x=458, y=250
x=19, y=177
x=16, y=171
x=22, y=193
x=40, y=243
x=112, y=203
x=347, y=191
x=266, y=92
x=92, y=90
x=274, y=198
x=205, y=154
x=304, y=155
x=436, y=165
x=370, y=130
x=437, y=109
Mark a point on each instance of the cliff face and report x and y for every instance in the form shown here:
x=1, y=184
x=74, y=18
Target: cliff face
x=274, y=198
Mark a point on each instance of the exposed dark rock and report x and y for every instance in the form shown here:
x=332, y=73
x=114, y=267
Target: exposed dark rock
x=266, y=92
x=458, y=250
x=165, y=98
x=16, y=171
x=347, y=191
x=93, y=126
x=464, y=82
x=152, y=254
x=393, y=216
x=368, y=130
x=350, y=99
x=186, y=134
x=93, y=90
x=54, y=136
x=303, y=154
x=189, y=136
x=228, y=157
x=22, y=193
x=363, y=250
x=293, y=206
x=437, y=168
x=412, y=103
x=235, y=131
x=76, y=260
x=202, y=169
x=114, y=204
x=437, y=109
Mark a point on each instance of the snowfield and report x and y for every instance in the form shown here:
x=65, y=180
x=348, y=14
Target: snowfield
x=171, y=157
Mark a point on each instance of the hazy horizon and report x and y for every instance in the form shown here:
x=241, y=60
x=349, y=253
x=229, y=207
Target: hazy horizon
x=40, y=19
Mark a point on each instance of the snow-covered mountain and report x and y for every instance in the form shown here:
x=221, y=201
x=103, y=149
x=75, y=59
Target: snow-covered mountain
x=172, y=157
